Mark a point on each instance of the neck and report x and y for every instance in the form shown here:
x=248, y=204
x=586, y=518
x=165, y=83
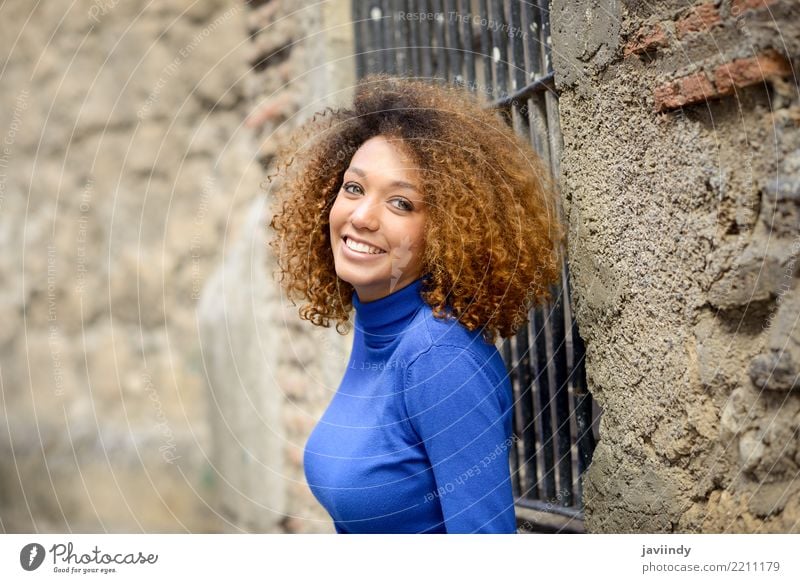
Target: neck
x=390, y=314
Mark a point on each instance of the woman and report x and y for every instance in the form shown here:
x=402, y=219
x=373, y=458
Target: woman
x=419, y=208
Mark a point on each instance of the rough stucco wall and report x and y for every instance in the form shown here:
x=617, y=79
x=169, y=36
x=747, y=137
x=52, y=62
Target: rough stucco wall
x=684, y=233
x=120, y=166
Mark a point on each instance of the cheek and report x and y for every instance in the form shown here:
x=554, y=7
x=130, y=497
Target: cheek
x=335, y=215
x=418, y=235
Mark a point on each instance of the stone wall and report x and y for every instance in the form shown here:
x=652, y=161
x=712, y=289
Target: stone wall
x=681, y=180
x=152, y=377
x=123, y=162
x=271, y=374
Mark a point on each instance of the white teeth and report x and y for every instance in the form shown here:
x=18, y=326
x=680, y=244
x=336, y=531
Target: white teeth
x=361, y=247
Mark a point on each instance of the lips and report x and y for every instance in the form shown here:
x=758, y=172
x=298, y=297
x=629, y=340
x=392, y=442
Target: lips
x=345, y=237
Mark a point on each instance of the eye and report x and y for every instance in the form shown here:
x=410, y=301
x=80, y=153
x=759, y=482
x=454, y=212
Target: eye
x=407, y=205
x=350, y=185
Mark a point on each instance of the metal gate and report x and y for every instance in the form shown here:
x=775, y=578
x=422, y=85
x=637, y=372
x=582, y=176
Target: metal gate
x=501, y=47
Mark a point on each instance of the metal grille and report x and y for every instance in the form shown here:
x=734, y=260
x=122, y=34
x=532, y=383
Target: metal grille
x=502, y=48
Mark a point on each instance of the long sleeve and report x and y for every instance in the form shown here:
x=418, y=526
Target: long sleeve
x=461, y=412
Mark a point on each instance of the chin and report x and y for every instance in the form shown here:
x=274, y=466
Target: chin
x=361, y=280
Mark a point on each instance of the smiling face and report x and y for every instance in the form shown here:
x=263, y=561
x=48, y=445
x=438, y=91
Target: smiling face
x=379, y=211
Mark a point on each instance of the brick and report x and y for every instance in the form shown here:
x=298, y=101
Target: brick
x=277, y=107
x=699, y=19
x=740, y=6
x=684, y=91
x=646, y=39
x=744, y=72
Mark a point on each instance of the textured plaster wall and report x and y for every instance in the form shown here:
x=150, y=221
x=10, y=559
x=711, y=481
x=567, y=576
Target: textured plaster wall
x=681, y=178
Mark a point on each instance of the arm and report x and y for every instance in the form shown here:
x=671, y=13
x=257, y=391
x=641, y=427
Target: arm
x=462, y=415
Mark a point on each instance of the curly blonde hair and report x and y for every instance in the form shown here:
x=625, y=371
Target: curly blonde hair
x=493, y=241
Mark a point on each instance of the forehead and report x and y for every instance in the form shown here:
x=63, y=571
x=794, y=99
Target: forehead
x=385, y=155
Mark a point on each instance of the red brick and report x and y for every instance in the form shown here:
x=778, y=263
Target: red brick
x=684, y=91
x=740, y=6
x=646, y=39
x=699, y=19
x=744, y=72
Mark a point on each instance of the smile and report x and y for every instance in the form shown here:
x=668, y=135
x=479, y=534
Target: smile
x=361, y=248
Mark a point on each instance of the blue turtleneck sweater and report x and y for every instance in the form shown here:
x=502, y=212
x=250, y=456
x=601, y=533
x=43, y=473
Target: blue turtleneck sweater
x=417, y=437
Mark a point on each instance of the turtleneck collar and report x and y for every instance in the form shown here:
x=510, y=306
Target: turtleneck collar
x=389, y=314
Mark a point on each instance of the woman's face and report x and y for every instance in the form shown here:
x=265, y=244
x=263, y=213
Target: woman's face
x=380, y=205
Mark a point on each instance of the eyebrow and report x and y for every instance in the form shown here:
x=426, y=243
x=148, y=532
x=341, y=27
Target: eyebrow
x=399, y=183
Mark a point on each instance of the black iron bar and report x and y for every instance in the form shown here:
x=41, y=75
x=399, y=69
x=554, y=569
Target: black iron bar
x=375, y=54
x=538, y=86
x=454, y=43
x=439, y=38
x=400, y=38
x=548, y=479
x=426, y=39
x=387, y=39
x=575, y=513
x=517, y=423
x=415, y=63
x=360, y=39
x=527, y=412
x=486, y=51
x=561, y=398
x=499, y=47
x=465, y=19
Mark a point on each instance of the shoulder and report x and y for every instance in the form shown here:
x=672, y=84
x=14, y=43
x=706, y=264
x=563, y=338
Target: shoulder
x=441, y=344
x=451, y=366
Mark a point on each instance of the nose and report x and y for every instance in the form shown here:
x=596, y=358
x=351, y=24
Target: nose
x=364, y=215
